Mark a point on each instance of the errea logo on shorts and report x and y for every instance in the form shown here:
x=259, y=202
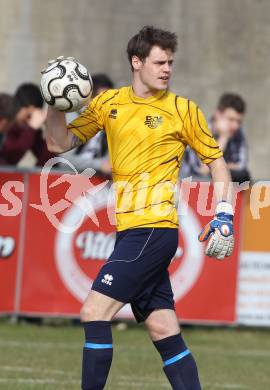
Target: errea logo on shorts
x=107, y=279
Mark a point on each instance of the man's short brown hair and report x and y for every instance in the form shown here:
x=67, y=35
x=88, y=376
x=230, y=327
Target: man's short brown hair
x=232, y=100
x=141, y=44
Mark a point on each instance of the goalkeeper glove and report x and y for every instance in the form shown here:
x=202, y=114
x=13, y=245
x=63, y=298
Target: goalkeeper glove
x=220, y=231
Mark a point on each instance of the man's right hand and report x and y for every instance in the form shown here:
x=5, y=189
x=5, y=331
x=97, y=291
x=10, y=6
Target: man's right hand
x=37, y=118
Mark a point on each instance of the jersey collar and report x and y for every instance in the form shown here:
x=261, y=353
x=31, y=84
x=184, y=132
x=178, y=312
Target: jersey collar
x=151, y=99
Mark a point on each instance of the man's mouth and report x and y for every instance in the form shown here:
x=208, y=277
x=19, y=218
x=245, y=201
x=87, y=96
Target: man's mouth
x=165, y=78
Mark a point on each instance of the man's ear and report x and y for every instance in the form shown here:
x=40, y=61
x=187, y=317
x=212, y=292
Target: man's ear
x=136, y=63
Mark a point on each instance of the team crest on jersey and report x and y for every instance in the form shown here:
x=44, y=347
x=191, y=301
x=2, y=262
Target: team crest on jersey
x=113, y=114
x=153, y=121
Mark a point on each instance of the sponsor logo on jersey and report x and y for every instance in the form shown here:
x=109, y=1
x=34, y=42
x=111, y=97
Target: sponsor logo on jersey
x=107, y=279
x=113, y=114
x=153, y=121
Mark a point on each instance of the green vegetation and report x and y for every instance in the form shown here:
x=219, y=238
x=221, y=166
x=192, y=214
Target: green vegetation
x=49, y=357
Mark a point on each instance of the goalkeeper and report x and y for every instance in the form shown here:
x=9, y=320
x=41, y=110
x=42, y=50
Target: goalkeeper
x=147, y=128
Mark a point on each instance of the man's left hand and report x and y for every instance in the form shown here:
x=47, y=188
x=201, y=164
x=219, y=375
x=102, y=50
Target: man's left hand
x=220, y=231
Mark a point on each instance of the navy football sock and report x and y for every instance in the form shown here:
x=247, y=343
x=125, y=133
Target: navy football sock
x=179, y=365
x=97, y=354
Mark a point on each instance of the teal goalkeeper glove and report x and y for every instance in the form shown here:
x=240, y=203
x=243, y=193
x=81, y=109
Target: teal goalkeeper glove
x=220, y=231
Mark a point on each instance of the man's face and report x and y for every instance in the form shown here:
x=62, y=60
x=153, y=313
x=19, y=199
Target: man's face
x=24, y=114
x=155, y=71
x=228, y=120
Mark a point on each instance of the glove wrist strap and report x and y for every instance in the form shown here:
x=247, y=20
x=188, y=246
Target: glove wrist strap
x=224, y=207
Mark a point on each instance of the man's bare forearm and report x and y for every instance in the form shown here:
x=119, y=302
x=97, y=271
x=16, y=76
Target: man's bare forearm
x=59, y=139
x=222, y=180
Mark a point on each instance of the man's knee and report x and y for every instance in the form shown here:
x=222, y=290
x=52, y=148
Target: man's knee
x=89, y=313
x=99, y=307
x=93, y=311
x=162, y=323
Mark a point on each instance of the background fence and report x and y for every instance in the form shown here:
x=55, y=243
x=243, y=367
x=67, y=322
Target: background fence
x=45, y=271
x=223, y=46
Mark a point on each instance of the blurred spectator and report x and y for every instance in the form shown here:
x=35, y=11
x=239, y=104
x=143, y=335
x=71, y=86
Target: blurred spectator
x=94, y=153
x=226, y=125
x=25, y=133
x=6, y=114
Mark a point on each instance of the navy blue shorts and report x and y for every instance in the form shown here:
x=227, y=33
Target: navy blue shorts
x=136, y=272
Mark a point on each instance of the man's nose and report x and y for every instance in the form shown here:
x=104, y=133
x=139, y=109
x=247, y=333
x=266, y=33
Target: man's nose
x=167, y=67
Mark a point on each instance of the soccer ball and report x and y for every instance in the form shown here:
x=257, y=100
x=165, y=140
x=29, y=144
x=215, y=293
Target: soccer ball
x=66, y=85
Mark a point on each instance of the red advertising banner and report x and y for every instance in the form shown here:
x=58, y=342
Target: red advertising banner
x=210, y=290
x=56, y=270
x=60, y=263
x=11, y=206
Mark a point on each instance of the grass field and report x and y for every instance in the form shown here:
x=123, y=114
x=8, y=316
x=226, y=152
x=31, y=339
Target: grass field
x=49, y=357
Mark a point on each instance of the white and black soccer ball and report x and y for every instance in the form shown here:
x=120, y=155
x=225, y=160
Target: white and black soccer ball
x=66, y=85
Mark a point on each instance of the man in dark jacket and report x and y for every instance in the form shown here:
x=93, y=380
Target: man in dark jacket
x=25, y=133
x=6, y=115
x=226, y=125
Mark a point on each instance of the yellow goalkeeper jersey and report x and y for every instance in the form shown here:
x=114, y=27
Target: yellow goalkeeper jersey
x=146, y=139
